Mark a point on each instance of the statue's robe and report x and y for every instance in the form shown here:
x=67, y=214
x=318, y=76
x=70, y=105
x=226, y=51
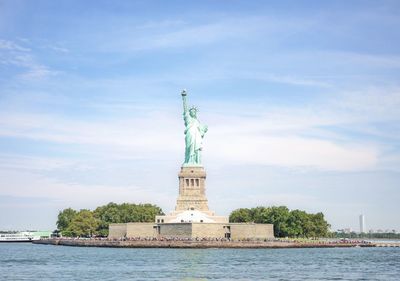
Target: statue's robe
x=194, y=133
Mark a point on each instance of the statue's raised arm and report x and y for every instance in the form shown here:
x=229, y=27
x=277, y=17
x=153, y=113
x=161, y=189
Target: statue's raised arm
x=194, y=133
x=184, y=101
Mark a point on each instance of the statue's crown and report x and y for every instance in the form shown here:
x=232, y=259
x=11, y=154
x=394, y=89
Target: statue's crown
x=194, y=108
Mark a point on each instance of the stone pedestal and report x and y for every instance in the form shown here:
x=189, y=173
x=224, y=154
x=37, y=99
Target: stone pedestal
x=192, y=203
x=192, y=194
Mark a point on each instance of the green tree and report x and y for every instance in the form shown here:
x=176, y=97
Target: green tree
x=148, y=212
x=124, y=213
x=64, y=219
x=279, y=216
x=286, y=223
x=260, y=214
x=241, y=215
x=296, y=223
x=83, y=224
x=73, y=223
x=319, y=226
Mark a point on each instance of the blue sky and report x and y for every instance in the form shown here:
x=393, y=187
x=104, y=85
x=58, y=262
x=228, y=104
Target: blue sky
x=301, y=98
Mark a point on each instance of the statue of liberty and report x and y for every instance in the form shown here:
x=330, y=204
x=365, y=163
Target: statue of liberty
x=194, y=133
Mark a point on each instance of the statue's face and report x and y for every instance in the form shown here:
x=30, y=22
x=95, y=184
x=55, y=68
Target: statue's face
x=192, y=112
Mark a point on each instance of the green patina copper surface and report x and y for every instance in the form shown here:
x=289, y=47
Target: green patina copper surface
x=194, y=134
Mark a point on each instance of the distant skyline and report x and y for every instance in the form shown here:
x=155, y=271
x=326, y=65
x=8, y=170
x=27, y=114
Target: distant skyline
x=301, y=99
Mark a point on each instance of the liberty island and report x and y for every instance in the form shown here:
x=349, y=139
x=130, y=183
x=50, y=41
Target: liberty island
x=192, y=217
x=192, y=224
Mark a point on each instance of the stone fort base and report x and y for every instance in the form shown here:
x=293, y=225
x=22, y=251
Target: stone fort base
x=192, y=216
x=192, y=230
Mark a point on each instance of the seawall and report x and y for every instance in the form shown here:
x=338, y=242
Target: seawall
x=193, y=244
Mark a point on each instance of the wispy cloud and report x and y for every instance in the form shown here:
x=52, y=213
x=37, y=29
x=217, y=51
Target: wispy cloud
x=277, y=138
x=167, y=34
x=38, y=164
x=371, y=103
x=75, y=195
x=57, y=48
x=103, y=133
x=11, y=46
x=287, y=137
x=287, y=79
x=12, y=54
x=364, y=59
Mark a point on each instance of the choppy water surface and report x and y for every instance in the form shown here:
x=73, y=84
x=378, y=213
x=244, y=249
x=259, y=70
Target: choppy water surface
x=44, y=262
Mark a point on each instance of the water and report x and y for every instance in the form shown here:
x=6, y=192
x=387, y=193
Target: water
x=45, y=262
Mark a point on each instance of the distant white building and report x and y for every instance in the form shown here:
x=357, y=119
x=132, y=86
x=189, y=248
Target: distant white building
x=345, y=230
x=362, y=224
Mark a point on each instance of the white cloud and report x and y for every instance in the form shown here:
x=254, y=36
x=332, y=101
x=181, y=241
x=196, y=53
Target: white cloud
x=57, y=48
x=22, y=184
x=32, y=164
x=11, y=46
x=136, y=135
x=287, y=79
x=292, y=151
x=12, y=54
x=248, y=135
x=273, y=199
x=372, y=104
x=167, y=34
x=253, y=140
x=364, y=59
